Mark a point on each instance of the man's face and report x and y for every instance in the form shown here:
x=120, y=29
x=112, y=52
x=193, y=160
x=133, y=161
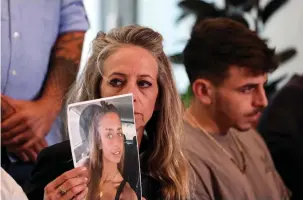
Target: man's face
x=240, y=98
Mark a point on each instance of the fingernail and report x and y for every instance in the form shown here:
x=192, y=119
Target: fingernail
x=86, y=179
x=84, y=168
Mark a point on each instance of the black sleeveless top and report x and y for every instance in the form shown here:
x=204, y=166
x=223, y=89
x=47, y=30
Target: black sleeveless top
x=120, y=189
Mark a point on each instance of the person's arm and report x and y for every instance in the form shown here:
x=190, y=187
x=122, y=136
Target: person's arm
x=66, y=53
x=64, y=65
x=33, y=119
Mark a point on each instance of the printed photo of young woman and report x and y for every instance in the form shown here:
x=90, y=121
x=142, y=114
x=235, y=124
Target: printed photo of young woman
x=103, y=138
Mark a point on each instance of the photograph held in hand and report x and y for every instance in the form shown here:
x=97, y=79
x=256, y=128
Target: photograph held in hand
x=103, y=139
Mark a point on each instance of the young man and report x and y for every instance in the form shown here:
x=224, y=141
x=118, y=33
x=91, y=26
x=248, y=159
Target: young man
x=227, y=65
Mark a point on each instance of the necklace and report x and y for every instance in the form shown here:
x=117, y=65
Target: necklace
x=107, y=180
x=191, y=120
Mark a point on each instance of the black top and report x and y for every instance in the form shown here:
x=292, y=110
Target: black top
x=120, y=189
x=57, y=159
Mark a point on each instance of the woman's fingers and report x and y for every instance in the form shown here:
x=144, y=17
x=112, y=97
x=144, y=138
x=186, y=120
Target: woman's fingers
x=79, y=171
x=70, y=184
x=23, y=156
x=74, y=192
x=81, y=195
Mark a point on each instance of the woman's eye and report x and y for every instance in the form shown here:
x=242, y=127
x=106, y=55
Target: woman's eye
x=116, y=82
x=110, y=136
x=144, y=84
x=120, y=134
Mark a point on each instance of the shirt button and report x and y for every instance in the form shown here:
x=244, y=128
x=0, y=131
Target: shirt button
x=16, y=34
x=14, y=72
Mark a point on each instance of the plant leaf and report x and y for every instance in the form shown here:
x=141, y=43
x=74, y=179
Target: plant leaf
x=240, y=19
x=270, y=88
x=177, y=58
x=200, y=8
x=182, y=16
x=285, y=55
x=271, y=8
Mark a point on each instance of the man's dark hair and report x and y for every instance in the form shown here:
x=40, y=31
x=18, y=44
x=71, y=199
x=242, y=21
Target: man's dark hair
x=216, y=44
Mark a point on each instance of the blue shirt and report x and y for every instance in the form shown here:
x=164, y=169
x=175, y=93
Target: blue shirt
x=29, y=29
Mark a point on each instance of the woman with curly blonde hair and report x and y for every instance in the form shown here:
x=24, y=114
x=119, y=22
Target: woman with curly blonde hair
x=131, y=60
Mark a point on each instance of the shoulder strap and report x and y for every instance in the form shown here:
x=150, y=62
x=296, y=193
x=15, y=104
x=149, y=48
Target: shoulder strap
x=119, y=190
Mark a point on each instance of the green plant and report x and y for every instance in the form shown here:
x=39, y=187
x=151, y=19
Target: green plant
x=186, y=97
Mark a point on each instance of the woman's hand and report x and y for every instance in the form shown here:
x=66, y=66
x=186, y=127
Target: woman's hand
x=70, y=185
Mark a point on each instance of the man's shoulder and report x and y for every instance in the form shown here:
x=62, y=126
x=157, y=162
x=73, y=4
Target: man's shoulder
x=193, y=138
x=196, y=146
x=250, y=139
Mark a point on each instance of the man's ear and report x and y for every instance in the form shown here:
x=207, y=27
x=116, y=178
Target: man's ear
x=203, y=90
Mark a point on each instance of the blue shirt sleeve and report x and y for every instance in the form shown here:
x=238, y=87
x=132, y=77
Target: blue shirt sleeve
x=73, y=16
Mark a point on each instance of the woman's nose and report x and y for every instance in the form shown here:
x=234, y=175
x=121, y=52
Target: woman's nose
x=133, y=89
x=117, y=141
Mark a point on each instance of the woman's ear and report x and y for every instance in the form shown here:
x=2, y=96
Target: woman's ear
x=203, y=91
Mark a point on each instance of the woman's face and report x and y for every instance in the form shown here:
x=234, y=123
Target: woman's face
x=112, y=138
x=132, y=69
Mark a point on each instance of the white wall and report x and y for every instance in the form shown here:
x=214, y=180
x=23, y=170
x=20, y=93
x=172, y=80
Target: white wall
x=285, y=29
x=161, y=15
x=104, y=15
x=93, y=10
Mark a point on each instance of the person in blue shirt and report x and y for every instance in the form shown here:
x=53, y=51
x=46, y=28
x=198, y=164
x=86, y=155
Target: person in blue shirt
x=41, y=44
